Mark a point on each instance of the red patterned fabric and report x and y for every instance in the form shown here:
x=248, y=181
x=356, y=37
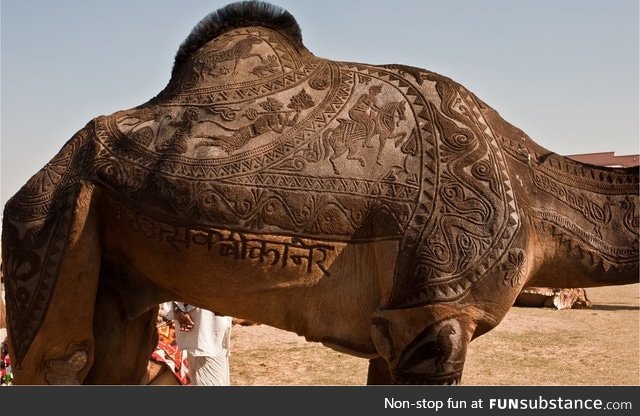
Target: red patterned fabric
x=167, y=351
x=6, y=375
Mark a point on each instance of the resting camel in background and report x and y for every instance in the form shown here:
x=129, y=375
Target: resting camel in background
x=257, y=185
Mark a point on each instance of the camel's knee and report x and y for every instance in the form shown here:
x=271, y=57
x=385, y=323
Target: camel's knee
x=423, y=347
x=435, y=356
x=66, y=370
x=54, y=364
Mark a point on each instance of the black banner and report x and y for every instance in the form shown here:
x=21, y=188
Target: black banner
x=302, y=401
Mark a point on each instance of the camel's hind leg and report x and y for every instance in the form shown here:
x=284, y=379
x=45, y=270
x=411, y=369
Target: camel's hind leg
x=51, y=338
x=422, y=345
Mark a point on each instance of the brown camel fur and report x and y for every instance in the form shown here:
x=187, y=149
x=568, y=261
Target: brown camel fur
x=258, y=185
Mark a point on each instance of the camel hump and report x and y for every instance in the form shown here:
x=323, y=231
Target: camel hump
x=238, y=15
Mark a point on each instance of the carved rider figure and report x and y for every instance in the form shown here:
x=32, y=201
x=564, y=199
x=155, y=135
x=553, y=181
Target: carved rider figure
x=364, y=111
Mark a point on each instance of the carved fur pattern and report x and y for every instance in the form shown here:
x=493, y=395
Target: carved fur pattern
x=439, y=350
x=38, y=196
x=269, y=49
x=477, y=219
x=599, y=198
x=585, y=241
x=35, y=230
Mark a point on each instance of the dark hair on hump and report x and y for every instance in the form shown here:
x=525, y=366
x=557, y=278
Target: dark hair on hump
x=236, y=15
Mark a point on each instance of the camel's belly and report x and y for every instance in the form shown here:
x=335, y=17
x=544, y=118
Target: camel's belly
x=324, y=290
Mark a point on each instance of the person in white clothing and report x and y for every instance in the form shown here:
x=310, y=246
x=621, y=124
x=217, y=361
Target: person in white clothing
x=206, y=337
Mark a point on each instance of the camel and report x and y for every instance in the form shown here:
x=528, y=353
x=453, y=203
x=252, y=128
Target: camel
x=548, y=297
x=401, y=259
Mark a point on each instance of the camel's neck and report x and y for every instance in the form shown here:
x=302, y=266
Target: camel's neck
x=586, y=222
x=584, y=219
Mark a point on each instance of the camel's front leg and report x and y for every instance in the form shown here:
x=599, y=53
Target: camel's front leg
x=422, y=345
x=61, y=351
x=379, y=372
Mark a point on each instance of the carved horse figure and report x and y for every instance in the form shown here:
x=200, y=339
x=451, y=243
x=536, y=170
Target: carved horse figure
x=403, y=262
x=349, y=135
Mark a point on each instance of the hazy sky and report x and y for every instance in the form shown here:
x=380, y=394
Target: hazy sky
x=564, y=71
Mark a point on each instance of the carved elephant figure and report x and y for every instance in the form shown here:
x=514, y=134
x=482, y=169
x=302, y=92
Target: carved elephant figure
x=261, y=184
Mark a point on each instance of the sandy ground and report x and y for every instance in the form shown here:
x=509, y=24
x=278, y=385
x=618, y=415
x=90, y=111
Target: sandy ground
x=531, y=346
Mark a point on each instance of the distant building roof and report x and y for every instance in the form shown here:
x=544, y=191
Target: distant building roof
x=607, y=159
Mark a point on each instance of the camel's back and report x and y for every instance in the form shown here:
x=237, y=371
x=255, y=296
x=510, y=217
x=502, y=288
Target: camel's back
x=257, y=129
